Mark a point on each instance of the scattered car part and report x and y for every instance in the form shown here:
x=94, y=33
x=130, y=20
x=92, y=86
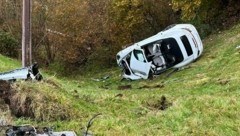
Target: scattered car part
x=101, y=79
x=50, y=132
x=28, y=130
x=174, y=47
x=238, y=47
x=21, y=131
x=30, y=72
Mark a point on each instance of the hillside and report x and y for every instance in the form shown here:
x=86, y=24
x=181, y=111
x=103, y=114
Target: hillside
x=202, y=99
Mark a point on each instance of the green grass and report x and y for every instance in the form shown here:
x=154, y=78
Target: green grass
x=205, y=97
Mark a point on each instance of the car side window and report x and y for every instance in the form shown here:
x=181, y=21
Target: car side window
x=187, y=45
x=139, y=55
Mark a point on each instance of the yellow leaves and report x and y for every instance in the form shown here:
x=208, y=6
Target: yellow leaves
x=128, y=14
x=188, y=7
x=197, y=2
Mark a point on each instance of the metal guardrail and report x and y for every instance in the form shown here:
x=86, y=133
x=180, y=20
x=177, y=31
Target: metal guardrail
x=32, y=72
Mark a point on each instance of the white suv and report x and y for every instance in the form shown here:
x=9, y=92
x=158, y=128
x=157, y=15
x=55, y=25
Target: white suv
x=174, y=47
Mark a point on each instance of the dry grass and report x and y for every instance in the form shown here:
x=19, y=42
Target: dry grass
x=41, y=101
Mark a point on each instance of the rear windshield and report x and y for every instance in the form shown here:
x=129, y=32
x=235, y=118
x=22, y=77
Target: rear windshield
x=187, y=45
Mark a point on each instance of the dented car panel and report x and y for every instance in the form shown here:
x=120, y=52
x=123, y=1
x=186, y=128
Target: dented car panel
x=174, y=47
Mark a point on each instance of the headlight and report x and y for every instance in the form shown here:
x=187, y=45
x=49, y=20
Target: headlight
x=118, y=57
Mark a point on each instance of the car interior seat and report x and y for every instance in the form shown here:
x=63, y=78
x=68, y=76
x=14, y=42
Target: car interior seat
x=156, y=54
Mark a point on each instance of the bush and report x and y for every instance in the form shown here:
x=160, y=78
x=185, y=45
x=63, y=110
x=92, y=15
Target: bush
x=8, y=44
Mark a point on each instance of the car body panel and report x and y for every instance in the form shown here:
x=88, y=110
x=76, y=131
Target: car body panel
x=139, y=64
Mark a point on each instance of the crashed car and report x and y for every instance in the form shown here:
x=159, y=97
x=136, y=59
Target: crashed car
x=174, y=47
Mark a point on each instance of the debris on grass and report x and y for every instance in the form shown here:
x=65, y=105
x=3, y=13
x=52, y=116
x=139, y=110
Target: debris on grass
x=238, y=47
x=101, y=79
x=29, y=130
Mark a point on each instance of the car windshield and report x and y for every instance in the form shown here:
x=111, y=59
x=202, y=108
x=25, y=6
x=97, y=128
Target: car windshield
x=139, y=55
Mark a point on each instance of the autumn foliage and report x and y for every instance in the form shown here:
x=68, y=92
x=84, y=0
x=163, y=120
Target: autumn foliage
x=79, y=33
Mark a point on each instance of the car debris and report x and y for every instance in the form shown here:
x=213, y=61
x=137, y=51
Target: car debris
x=238, y=47
x=28, y=130
x=174, y=47
x=30, y=72
x=101, y=79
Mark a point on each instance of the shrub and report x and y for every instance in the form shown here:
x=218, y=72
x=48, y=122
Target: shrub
x=8, y=44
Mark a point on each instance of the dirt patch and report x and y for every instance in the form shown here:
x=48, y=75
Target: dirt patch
x=151, y=87
x=5, y=113
x=223, y=81
x=5, y=91
x=105, y=86
x=124, y=87
x=22, y=107
x=7, y=95
x=30, y=102
x=39, y=105
x=160, y=104
x=51, y=82
x=119, y=95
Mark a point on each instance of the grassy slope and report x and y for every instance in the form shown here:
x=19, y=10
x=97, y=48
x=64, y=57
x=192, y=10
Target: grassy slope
x=205, y=97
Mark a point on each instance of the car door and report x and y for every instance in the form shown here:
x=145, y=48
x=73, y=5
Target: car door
x=139, y=64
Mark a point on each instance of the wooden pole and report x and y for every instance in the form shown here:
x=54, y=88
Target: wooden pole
x=30, y=33
x=26, y=30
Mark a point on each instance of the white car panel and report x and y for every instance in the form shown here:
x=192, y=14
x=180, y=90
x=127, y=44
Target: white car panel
x=140, y=66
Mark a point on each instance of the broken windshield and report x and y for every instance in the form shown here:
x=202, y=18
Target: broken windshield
x=139, y=55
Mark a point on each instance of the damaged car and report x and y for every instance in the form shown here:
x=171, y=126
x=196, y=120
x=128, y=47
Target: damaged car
x=174, y=47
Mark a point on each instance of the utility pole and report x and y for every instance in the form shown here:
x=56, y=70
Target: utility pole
x=26, y=34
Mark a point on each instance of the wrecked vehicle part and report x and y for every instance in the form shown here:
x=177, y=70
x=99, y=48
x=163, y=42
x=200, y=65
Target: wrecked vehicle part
x=27, y=130
x=30, y=72
x=173, y=47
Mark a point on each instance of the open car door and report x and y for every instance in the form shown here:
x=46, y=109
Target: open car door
x=139, y=64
